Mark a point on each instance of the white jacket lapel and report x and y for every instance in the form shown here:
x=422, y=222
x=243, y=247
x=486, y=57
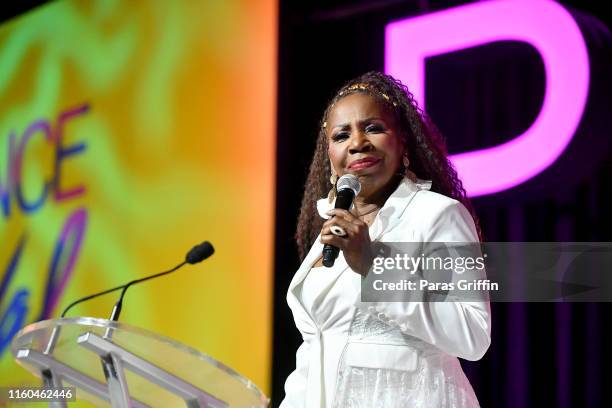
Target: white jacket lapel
x=386, y=219
x=394, y=207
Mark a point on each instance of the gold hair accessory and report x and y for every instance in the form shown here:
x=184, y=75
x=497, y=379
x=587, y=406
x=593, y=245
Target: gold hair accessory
x=362, y=86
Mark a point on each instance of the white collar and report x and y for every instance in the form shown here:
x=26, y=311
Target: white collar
x=394, y=204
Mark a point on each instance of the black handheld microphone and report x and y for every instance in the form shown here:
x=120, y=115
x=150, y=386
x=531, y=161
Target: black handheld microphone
x=348, y=187
x=197, y=254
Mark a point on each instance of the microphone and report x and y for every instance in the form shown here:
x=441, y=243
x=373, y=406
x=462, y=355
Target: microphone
x=197, y=254
x=348, y=187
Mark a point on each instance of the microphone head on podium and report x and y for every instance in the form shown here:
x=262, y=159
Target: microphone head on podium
x=199, y=253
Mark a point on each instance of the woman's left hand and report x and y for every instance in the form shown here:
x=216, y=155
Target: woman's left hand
x=355, y=245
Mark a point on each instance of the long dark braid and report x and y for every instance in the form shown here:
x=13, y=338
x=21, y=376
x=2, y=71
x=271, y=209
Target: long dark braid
x=425, y=145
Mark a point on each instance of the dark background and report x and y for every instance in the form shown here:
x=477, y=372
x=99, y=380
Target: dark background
x=542, y=355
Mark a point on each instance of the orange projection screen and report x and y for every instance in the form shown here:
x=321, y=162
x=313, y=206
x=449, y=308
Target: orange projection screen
x=129, y=132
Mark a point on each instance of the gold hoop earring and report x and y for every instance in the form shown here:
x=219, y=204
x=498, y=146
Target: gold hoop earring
x=405, y=171
x=333, y=179
x=405, y=161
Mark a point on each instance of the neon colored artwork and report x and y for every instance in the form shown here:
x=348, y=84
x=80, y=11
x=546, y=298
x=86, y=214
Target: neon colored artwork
x=543, y=24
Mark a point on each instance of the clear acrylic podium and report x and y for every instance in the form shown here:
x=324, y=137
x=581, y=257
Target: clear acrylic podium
x=115, y=364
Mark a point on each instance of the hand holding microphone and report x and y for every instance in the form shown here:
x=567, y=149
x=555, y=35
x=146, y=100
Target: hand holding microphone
x=344, y=231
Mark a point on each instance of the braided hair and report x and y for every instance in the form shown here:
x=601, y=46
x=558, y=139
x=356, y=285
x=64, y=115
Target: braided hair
x=425, y=146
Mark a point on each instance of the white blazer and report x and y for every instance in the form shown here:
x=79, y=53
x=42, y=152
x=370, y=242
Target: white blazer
x=388, y=354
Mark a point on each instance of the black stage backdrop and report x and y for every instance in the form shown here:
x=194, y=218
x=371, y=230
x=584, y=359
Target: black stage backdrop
x=542, y=354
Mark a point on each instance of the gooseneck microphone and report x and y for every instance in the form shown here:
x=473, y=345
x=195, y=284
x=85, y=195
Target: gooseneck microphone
x=347, y=187
x=197, y=254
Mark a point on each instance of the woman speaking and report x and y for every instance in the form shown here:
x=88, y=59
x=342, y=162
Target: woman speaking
x=380, y=354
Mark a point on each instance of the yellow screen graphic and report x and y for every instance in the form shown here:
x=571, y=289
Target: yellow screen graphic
x=129, y=132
